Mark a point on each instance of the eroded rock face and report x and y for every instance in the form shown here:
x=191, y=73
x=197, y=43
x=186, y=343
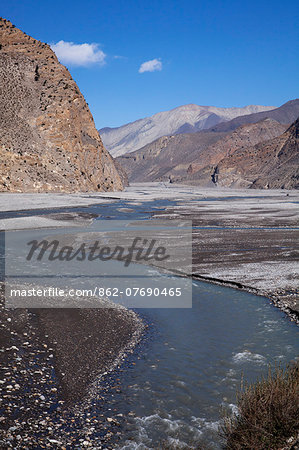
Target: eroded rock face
x=192, y=158
x=166, y=158
x=273, y=164
x=48, y=140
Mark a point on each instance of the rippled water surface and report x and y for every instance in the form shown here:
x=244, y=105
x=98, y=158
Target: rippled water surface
x=193, y=361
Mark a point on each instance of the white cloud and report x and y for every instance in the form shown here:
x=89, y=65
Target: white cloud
x=150, y=66
x=78, y=54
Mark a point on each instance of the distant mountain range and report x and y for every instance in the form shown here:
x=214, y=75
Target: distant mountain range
x=239, y=153
x=182, y=157
x=184, y=119
x=287, y=113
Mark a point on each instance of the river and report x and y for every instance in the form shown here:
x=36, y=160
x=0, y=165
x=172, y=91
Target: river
x=193, y=361
x=190, y=362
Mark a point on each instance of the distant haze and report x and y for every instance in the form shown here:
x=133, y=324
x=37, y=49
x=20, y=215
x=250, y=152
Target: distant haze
x=184, y=119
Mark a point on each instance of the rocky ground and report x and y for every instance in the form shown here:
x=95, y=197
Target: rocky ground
x=248, y=243
x=53, y=388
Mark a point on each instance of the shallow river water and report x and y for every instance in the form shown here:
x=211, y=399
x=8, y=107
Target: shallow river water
x=193, y=362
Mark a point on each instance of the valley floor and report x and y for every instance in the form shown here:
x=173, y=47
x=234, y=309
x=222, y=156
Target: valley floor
x=241, y=238
x=244, y=238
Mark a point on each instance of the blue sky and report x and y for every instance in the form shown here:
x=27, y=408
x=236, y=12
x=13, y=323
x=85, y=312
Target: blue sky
x=221, y=53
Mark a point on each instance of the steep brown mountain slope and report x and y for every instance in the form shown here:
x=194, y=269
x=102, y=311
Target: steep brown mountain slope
x=181, y=157
x=243, y=136
x=272, y=165
x=48, y=140
x=157, y=160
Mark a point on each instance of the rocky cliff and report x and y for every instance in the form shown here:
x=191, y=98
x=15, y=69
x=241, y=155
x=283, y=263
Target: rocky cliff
x=273, y=164
x=242, y=137
x=48, y=140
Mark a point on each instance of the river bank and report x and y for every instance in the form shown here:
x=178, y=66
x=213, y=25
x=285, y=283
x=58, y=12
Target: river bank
x=52, y=361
